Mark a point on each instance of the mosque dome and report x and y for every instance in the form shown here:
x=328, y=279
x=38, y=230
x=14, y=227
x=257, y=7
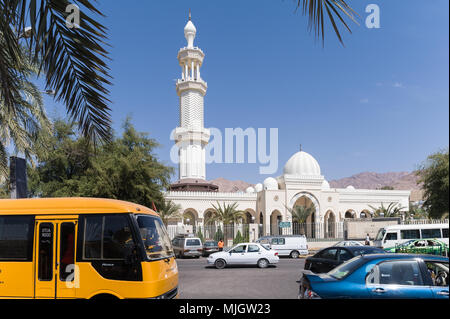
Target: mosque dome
x=325, y=185
x=350, y=188
x=258, y=187
x=270, y=183
x=302, y=163
x=250, y=190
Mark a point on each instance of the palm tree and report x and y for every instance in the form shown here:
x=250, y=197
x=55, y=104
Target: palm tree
x=71, y=59
x=392, y=210
x=228, y=215
x=417, y=212
x=300, y=214
x=169, y=210
x=21, y=126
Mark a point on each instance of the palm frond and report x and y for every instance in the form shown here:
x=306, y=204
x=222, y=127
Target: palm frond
x=334, y=9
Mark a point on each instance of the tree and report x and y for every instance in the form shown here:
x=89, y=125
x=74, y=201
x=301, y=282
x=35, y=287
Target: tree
x=238, y=239
x=200, y=235
x=168, y=210
x=219, y=234
x=300, y=214
x=20, y=125
x=392, y=210
x=434, y=174
x=124, y=169
x=71, y=56
x=228, y=214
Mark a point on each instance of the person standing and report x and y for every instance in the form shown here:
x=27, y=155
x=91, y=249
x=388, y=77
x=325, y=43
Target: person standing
x=367, y=242
x=220, y=244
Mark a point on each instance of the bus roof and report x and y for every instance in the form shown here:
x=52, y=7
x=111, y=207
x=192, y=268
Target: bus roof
x=69, y=206
x=416, y=226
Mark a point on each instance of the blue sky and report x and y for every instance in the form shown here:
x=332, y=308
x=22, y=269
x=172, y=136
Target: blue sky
x=379, y=104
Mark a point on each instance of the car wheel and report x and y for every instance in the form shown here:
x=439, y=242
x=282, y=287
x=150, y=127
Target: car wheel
x=294, y=254
x=220, y=263
x=263, y=263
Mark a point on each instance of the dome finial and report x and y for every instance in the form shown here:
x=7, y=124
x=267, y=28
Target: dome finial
x=189, y=14
x=300, y=147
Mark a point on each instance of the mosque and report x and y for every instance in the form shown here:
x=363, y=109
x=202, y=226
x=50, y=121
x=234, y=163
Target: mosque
x=265, y=205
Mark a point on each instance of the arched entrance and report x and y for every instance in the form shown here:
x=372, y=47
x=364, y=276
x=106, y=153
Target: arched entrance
x=305, y=221
x=209, y=224
x=330, y=224
x=190, y=217
x=350, y=214
x=275, y=219
x=365, y=214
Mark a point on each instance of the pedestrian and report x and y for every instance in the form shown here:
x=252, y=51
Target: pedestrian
x=220, y=244
x=367, y=242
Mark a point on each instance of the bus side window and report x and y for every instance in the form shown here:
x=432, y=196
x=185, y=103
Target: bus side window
x=444, y=232
x=391, y=236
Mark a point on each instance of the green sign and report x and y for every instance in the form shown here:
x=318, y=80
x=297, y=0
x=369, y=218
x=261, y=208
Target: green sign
x=285, y=224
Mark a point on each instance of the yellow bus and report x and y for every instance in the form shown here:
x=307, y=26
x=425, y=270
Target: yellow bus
x=84, y=248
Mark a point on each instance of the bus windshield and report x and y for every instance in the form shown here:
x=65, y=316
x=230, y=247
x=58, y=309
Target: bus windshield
x=380, y=234
x=154, y=236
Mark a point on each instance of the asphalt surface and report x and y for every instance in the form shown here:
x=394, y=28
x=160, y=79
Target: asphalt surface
x=197, y=280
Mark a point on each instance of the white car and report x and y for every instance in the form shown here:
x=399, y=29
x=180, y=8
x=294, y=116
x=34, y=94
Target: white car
x=349, y=243
x=244, y=254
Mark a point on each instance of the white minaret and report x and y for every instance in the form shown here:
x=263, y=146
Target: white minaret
x=191, y=137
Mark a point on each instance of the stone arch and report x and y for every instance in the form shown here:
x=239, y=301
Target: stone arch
x=209, y=225
x=306, y=199
x=190, y=216
x=329, y=224
x=350, y=213
x=250, y=216
x=365, y=213
x=275, y=218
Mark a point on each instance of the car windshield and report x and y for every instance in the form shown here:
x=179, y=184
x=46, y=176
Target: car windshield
x=193, y=242
x=346, y=268
x=210, y=243
x=380, y=234
x=154, y=236
x=407, y=243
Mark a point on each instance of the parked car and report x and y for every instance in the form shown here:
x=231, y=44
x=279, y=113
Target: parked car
x=420, y=246
x=380, y=276
x=349, y=243
x=244, y=254
x=187, y=246
x=328, y=258
x=209, y=247
x=287, y=245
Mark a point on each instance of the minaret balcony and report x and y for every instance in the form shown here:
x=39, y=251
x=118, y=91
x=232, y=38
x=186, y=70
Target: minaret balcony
x=190, y=54
x=191, y=84
x=182, y=134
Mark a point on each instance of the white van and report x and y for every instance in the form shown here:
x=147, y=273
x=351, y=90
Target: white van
x=286, y=245
x=392, y=235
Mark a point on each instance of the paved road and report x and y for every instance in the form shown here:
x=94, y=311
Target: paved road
x=199, y=281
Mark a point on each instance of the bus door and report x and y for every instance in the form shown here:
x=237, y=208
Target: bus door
x=56, y=275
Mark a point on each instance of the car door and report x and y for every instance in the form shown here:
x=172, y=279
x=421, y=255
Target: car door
x=237, y=255
x=324, y=261
x=397, y=279
x=253, y=254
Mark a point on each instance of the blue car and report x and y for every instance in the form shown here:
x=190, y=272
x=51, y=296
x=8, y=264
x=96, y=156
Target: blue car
x=380, y=276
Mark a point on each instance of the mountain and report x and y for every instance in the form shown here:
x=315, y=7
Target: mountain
x=371, y=180
x=226, y=185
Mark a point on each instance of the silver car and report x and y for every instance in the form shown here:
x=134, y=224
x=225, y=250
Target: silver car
x=187, y=247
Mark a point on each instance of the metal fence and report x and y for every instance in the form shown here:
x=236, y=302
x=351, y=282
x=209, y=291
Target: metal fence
x=242, y=232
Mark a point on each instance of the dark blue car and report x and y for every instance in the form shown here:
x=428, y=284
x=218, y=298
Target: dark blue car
x=380, y=276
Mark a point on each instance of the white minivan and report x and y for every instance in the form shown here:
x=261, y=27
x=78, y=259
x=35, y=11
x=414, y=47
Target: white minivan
x=286, y=245
x=392, y=235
